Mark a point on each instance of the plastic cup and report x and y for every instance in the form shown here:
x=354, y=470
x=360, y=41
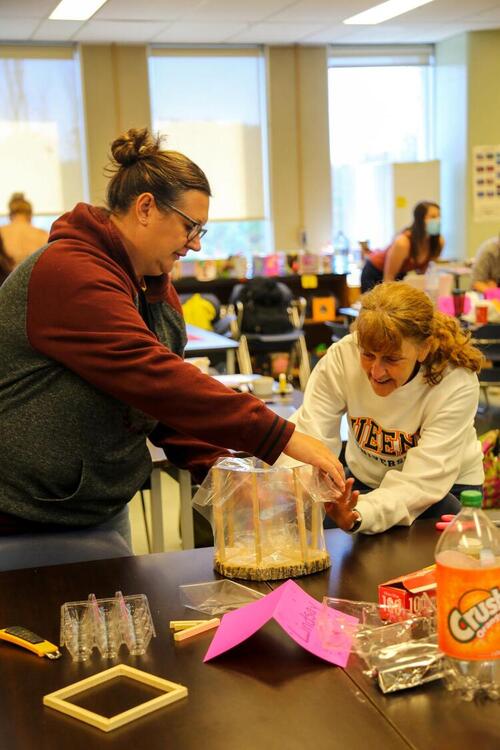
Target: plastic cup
x=481, y=313
x=77, y=630
x=263, y=387
x=458, y=302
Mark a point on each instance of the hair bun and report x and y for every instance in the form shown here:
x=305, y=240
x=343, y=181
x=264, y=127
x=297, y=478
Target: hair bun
x=134, y=145
x=17, y=197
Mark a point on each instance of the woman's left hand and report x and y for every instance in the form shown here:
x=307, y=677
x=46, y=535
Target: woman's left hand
x=342, y=509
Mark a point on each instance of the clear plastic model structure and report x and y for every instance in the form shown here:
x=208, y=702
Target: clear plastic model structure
x=267, y=521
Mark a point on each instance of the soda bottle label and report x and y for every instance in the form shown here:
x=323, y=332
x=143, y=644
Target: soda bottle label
x=468, y=606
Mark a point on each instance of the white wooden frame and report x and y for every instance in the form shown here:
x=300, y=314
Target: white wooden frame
x=57, y=700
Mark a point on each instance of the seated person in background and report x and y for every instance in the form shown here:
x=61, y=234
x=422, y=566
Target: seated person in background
x=6, y=263
x=92, y=340
x=20, y=237
x=412, y=250
x=406, y=378
x=486, y=267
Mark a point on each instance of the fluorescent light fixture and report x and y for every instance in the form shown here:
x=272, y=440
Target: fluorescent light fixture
x=384, y=11
x=75, y=10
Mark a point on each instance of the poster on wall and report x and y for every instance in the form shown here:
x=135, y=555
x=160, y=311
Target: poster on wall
x=486, y=183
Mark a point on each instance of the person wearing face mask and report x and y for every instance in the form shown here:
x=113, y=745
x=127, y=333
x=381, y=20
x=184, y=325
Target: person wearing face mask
x=92, y=339
x=406, y=380
x=412, y=250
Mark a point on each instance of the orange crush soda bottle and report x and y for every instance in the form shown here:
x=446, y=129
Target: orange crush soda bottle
x=468, y=600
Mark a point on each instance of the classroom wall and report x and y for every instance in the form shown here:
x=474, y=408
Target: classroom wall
x=299, y=152
x=115, y=98
x=467, y=115
x=467, y=109
x=451, y=140
x=483, y=118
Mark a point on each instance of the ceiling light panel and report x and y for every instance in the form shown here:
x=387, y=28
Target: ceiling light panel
x=384, y=11
x=75, y=10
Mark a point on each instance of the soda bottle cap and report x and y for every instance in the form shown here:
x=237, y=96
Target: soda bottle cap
x=471, y=498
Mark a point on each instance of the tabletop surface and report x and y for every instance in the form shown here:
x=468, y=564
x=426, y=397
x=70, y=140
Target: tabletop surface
x=200, y=340
x=267, y=693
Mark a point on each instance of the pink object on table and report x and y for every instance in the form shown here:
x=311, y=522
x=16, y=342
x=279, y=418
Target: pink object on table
x=493, y=293
x=445, y=305
x=294, y=610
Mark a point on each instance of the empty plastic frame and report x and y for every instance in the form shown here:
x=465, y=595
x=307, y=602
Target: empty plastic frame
x=172, y=692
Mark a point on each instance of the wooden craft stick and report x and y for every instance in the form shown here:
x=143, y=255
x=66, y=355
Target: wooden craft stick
x=218, y=518
x=183, y=635
x=171, y=692
x=183, y=624
x=230, y=520
x=256, y=519
x=315, y=524
x=301, y=521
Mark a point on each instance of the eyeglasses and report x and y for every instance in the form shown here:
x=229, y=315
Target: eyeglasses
x=196, y=229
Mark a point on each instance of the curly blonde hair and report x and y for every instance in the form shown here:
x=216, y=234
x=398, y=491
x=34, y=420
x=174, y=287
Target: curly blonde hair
x=394, y=311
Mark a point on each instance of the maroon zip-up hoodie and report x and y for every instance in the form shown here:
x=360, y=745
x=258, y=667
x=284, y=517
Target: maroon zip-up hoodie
x=96, y=379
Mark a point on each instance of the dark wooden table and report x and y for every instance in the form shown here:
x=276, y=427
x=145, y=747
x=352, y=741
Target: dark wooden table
x=267, y=694
x=427, y=717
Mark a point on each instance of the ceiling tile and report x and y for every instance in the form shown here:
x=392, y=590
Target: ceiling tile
x=244, y=21
x=14, y=29
x=237, y=10
x=328, y=35
x=317, y=11
x=56, y=31
x=215, y=33
x=144, y=10
x=26, y=9
x=446, y=11
x=119, y=31
x=278, y=33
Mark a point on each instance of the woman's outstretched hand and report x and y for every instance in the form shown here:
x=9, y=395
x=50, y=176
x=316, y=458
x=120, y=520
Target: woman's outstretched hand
x=342, y=509
x=309, y=450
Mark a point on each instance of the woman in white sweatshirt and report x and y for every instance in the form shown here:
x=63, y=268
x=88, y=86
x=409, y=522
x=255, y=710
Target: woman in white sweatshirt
x=406, y=379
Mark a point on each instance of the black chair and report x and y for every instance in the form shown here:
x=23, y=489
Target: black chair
x=487, y=339
x=338, y=330
x=292, y=342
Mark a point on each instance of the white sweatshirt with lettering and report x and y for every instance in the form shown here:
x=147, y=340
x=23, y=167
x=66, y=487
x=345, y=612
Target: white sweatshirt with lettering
x=411, y=446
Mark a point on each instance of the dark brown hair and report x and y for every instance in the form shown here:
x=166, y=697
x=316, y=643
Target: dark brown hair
x=139, y=165
x=418, y=232
x=393, y=311
x=19, y=205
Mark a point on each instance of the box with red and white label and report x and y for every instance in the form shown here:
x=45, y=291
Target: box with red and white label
x=414, y=591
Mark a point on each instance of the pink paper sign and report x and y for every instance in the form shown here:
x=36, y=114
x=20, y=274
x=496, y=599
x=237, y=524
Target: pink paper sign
x=294, y=610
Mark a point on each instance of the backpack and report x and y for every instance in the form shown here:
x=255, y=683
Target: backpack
x=199, y=311
x=265, y=310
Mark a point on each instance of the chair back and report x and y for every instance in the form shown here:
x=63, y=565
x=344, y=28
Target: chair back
x=265, y=307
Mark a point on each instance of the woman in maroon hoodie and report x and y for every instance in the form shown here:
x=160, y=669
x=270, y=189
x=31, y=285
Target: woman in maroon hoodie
x=92, y=339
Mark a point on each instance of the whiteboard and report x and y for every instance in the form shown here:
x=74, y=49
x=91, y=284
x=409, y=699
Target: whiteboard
x=413, y=182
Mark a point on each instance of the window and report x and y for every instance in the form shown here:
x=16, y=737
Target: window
x=210, y=105
x=380, y=113
x=40, y=133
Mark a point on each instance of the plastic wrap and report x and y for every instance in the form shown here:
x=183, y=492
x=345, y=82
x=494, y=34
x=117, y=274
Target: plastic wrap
x=398, y=647
x=267, y=521
x=217, y=597
x=378, y=625
x=408, y=664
